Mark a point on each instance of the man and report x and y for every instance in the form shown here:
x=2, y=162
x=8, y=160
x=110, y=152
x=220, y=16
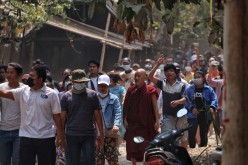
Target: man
x=169, y=60
x=80, y=107
x=173, y=97
x=3, y=69
x=128, y=74
x=93, y=75
x=140, y=116
x=10, y=119
x=66, y=73
x=159, y=73
x=40, y=109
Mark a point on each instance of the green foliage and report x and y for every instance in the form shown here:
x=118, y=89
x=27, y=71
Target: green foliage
x=23, y=14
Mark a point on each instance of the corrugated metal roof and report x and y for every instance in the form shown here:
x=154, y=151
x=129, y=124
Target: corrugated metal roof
x=80, y=28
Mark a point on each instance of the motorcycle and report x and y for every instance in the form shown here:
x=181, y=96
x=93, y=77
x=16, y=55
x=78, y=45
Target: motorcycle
x=162, y=149
x=216, y=155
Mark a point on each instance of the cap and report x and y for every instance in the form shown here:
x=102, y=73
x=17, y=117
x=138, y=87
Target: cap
x=78, y=75
x=170, y=66
x=104, y=79
x=215, y=63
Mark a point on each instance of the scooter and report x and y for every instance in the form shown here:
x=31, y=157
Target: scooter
x=162, y=149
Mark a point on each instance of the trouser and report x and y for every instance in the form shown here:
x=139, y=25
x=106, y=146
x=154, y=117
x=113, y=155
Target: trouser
x=218, y=121
x=43, y=149
x=9, y=147
x=109, y=152
x=81, y=150
x=203, y=122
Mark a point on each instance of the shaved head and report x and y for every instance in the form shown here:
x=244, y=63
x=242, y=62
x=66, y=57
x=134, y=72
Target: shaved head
x=140, y=77
x=141, y=72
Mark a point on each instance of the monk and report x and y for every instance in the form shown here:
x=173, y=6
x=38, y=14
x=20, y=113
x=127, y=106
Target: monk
x=140, y=116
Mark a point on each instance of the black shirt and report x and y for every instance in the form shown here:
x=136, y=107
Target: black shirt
x=199, y=100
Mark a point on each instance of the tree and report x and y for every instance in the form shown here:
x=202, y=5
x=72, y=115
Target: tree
x=138, y=14
x=16, y=16
x=235, y=141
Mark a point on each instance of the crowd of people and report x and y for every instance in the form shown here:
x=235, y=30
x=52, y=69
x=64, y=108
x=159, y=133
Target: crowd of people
x=83, y=119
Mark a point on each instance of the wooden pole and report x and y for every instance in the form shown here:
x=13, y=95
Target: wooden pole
x=235, y=139
x=120, y=54
x=104, y=43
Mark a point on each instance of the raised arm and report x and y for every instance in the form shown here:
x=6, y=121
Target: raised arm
x=151, y=77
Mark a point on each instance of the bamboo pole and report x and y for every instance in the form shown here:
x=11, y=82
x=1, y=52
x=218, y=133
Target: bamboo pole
x=104, y=43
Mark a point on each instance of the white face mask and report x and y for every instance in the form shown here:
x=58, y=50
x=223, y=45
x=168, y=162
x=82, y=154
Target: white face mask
x=79, y=86
x=102, y=95
x=187, y=68
x=126, y=67
x=197, y=81
x=161, y=67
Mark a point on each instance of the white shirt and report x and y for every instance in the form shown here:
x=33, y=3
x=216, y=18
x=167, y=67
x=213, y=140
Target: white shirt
x=10, y=111
x=159, y=74
x=94, y=81
x=37, y=109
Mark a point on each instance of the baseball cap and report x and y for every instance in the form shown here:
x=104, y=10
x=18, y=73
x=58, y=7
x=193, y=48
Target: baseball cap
x=215, y=63
x=104, y=79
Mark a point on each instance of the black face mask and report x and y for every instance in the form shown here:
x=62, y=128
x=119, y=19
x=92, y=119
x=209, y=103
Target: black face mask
x=30, y=82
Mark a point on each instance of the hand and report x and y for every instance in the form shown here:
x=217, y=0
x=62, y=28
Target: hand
x=125, y=124
x=212, y=111
x=195, y=111
x=115, y=129
x=173, y=104
x=101, y=141
x=61, y=142
x=157, y=125
x=161, y=60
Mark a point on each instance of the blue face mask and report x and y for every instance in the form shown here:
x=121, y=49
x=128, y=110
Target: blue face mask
x=126, y=67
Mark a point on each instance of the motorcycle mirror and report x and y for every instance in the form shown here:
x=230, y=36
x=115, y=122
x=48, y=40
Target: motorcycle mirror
x=182, y=112
x=138, y=139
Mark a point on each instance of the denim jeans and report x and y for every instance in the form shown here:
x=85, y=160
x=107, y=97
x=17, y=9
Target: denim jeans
x=9, y=147
x=79, y=146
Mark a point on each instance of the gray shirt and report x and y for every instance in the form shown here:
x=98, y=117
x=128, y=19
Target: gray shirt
x=10, y=111
x=80, y=110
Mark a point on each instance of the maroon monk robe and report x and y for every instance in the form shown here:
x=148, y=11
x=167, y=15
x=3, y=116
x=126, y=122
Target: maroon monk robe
x=139, y=113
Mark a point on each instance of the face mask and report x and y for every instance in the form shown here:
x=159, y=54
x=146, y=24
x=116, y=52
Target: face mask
x=187, y=68
x=197, y=81
x=126, y=67
x=30, y=82
x=161, y=67
x=79, y=86
x=102, y=95
x=65, y=84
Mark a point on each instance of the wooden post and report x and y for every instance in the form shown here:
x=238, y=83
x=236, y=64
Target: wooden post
x=120, y=54
x=235, y=139
x=129, y=53
x=104, y=43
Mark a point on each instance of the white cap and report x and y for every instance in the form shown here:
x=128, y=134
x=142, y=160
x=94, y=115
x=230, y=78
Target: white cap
x=104, y=79
x=215, y=63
